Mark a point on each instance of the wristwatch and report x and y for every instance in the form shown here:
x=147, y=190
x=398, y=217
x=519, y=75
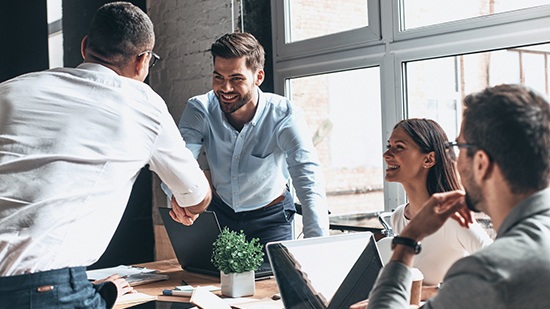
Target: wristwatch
x=411, y=243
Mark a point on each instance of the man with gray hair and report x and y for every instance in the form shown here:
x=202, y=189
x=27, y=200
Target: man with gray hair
x=72, y=143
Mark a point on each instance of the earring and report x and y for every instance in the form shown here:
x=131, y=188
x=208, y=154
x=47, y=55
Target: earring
x=425, y=166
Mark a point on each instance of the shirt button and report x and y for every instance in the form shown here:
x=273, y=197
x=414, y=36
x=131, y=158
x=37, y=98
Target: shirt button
x=235, y=193
x=236, y=136
x=237, y=205
x=234, y=177
x=236, y=157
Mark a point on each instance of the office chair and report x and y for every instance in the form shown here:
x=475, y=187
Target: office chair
x=382, y=217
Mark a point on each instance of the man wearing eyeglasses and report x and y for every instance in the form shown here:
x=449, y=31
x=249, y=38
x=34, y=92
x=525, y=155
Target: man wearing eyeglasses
x=504, y=163
x=72, y=143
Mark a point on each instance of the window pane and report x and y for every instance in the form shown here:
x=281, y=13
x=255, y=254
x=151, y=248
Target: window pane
x=436, y=87
x=419, y=13
x=55, y=49
x=348, y=124
x=314, y=18
x=54, y=8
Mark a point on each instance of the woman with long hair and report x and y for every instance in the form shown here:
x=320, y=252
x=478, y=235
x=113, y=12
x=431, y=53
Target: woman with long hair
x=416, y=157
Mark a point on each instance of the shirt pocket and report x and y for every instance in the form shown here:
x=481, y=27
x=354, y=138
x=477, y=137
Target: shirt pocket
x=259, y=168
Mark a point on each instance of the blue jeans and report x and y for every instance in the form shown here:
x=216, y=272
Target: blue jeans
x=272, y=223
x=60, y=288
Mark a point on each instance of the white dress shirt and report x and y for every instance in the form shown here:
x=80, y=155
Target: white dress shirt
x=72, y=142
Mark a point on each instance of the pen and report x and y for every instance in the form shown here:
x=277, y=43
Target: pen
x=177, y=293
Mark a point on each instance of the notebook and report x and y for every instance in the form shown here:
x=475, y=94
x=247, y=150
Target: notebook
x=193, y=244
x=325, y=272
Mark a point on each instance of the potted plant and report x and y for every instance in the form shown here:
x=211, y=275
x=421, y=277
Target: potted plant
x=236, y=259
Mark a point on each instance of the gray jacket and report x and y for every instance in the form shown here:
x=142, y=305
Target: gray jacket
x=513, y=272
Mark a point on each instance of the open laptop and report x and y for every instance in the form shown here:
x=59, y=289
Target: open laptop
x=193, y=244
x=325, y=272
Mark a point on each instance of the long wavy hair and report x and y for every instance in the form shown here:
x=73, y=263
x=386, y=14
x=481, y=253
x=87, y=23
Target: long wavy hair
x=430, y=136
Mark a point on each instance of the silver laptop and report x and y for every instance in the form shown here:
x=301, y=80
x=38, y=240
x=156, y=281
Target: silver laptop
x=193, y=244
x=325, y=272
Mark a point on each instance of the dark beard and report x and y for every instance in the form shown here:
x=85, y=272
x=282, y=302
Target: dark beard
x=470, y=204
x=238, y=104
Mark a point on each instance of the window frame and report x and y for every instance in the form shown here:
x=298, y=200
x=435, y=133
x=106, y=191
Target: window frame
x=326, y=44
x=390, y=48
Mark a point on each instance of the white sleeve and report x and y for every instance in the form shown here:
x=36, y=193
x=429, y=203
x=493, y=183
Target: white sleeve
x=176, y=166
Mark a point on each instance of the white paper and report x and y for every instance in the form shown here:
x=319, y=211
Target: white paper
x=121, y=270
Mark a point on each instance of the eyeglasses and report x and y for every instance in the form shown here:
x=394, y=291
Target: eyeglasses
x=449, y=147
x=154, y=57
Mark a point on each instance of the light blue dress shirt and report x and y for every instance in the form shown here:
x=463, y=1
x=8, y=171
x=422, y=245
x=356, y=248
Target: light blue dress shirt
x=250, y=168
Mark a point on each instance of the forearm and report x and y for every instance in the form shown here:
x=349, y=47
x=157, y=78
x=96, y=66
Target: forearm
x=315, y=217
x=200, y=207
x=308, y=181
x=393, y=288
x=403, y=254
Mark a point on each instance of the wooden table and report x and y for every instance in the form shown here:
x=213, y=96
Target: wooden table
x=264, y=288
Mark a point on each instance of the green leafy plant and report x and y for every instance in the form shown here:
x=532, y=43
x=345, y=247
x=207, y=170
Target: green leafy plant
x=234, y=254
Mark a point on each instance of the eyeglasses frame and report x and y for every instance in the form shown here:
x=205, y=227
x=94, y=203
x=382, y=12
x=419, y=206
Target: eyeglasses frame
x=154, y=57
x=449, y=146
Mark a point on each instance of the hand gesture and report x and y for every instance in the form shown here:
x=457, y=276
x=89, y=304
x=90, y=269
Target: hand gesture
x=182, y=214
x=435, y=212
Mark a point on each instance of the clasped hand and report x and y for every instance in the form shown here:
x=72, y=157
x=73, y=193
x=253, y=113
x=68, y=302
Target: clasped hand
x=182, y=214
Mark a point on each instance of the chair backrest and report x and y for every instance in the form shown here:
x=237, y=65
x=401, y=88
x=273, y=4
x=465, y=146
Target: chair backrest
x=384, y=247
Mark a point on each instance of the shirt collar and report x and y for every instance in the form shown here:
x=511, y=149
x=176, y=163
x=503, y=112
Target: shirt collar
x=96, y=67
x=260, y=108
x=538, y=202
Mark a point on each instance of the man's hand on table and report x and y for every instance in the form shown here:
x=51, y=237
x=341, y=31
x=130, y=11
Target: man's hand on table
x=122, y=286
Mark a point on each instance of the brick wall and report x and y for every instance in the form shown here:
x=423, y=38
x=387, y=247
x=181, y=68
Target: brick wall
x=185, y=30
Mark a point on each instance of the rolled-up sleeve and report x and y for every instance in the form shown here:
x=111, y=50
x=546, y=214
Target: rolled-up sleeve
x=190, y=126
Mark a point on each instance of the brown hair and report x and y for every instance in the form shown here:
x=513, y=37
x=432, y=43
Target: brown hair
x=236, y=45
x=511, y=123
x=430, y=136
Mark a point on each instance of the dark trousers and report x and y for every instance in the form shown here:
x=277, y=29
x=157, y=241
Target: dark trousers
x=272, y=223
x=60, y=288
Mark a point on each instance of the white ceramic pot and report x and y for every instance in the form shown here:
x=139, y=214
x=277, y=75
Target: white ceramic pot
x=238, y=284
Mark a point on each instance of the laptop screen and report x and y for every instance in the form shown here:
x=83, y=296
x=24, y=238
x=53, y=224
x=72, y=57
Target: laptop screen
x=325, y=272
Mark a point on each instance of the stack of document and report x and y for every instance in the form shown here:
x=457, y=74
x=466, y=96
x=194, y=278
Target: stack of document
x=134, y=275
